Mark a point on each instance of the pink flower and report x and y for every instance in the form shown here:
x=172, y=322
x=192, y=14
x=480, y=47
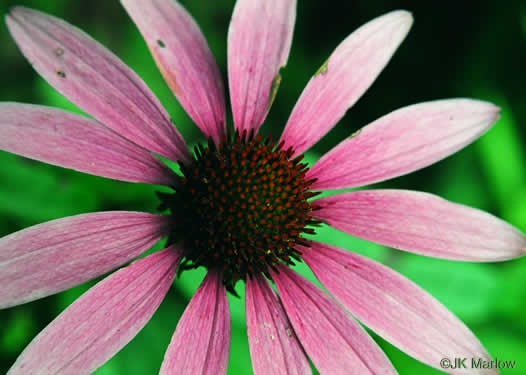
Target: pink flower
x=244, y=204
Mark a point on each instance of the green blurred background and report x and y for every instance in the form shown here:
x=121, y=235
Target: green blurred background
x=470, y=48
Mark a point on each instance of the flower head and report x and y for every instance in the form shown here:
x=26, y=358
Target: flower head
x=243, y=204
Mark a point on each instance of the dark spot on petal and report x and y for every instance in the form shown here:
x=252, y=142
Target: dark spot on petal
x=161, y=43
x=61, y=74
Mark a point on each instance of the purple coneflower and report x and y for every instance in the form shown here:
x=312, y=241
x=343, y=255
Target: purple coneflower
x=243, y=202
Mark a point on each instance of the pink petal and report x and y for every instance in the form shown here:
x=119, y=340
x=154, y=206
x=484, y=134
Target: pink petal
x=343, y=79
x=72, y=141
x=422, y=223
x=403, y=141
x=185, y=60
x=96, y=80
x=60, y=254
x=259, y=42
x=333, y=340
x=102, y=321
x=201, y=343
x=394, y=307
x=274, y=347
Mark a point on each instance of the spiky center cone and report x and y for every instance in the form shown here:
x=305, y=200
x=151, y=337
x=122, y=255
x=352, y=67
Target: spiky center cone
x=242, y=207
